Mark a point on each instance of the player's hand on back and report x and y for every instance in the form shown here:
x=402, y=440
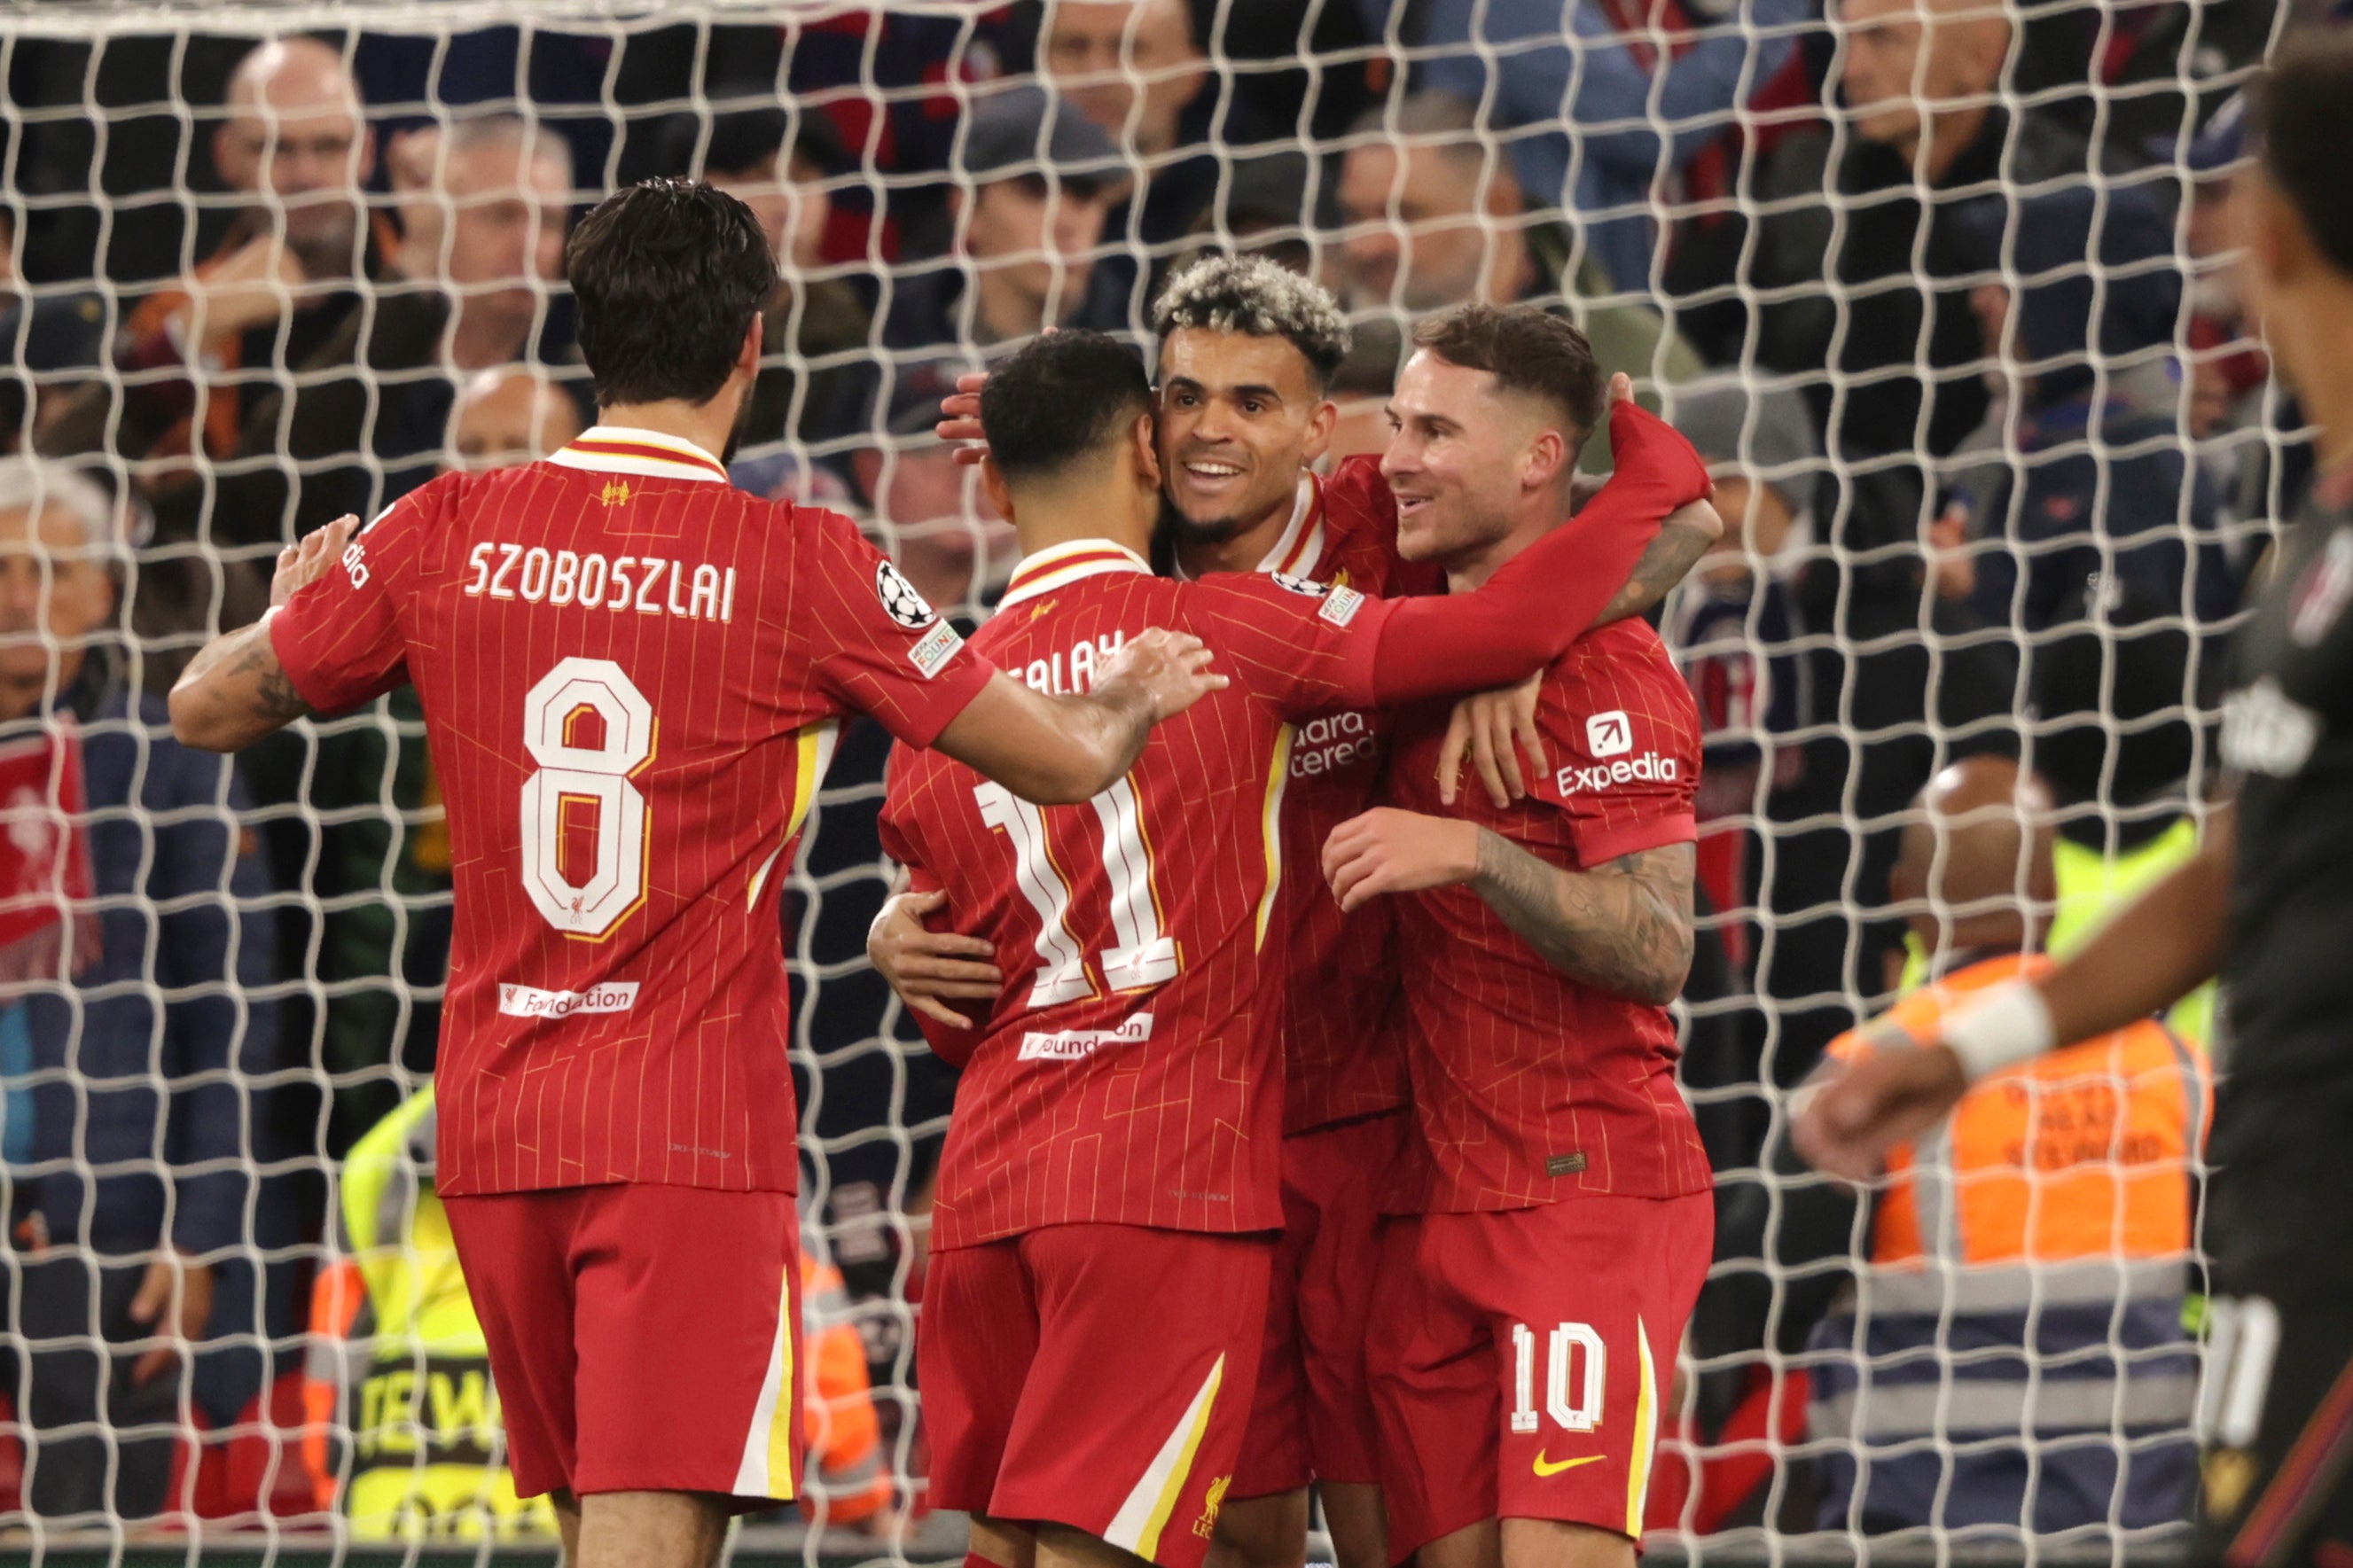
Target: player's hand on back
x=1171, y=668
x=928, y=967
x=1851, y=1114
x=299, y=565
x=1386, y=850
x=1492, y=728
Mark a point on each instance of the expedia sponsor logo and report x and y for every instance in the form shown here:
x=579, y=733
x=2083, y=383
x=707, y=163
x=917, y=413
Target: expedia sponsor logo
x=1331, y=744
x=2266, y=732
x=1065, y=672
x=1609, y=734
x=1077, y=1045
x=1647, y=768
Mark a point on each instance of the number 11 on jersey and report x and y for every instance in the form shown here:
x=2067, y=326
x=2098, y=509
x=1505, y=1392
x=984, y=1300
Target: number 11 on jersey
x=1143, y=957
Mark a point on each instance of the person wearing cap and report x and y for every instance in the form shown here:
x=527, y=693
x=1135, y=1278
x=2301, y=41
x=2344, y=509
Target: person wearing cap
x=1036, y=180
x=1734, y=624
x=815, y=327
x=2098, y=492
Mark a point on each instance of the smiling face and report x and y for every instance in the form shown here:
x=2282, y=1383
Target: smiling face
x=1240, y=418
x=1459, y=458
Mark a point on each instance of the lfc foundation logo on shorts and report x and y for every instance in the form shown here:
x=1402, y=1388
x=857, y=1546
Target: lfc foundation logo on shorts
x=1209, y=1520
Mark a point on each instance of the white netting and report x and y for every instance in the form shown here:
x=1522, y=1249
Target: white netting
x=1945, y=286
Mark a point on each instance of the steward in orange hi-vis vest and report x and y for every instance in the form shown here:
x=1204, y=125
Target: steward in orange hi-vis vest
x=2022, y=1304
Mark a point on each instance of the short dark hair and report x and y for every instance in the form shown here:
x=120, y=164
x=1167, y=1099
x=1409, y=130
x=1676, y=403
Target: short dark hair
x=1527, y=349
x=2302, y=120
x=1060, y=400
x=1261, y=299
x=669, y=275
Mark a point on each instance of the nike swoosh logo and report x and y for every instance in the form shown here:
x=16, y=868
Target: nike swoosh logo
x=1544, y=1469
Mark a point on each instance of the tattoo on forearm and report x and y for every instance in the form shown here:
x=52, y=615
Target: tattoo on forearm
x=1668, y=559
x=1624, y=927
x=248, y=665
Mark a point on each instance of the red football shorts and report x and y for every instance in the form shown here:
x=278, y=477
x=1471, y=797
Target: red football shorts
x=1097, y=1377
x=642, y=1338
x=1521, y=1361
x=1312, y=1416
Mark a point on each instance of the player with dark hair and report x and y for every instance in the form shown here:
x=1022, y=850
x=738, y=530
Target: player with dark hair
x=1110, y=1194
x=631, y=675
x=2267, y=903
x=1247, y=352
x=1552, y=1217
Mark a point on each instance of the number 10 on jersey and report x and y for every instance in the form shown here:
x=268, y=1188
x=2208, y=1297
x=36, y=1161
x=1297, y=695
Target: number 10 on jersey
x=1142, y=956
x=573, y=778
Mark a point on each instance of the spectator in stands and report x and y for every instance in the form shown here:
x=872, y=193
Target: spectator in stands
x=1434, y=222
x=1617, y=126
x=935, y=518
x=197, y=356
x=2007, y=1349
x=139, y=1218
x=815, y=328
x=402, y=1436
x=1919, y=84
x=2094, y=492
x=1042, y=178
x=2147, y=65
x=52, y=345
x=484, y=208
x=505, y=417
x=1134, y=68
x=1281, y=204
x=1734, y=624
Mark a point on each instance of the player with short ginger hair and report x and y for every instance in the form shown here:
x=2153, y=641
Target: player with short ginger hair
x=1118, y=1126
x=631, y=674
x=1552, y=1221
x=1247, y=352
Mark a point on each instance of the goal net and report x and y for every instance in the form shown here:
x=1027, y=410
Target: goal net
x=1940, y=287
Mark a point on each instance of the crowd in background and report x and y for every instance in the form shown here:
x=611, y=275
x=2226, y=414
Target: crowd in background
x=1939, y=288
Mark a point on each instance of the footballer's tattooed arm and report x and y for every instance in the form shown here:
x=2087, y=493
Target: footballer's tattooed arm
x=1624, y=927
x=1688, y=533
x=234, y=692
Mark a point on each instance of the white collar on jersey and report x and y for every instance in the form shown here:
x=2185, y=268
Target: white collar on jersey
x=1301, y=543
x=1060, y=565
x=649, y=454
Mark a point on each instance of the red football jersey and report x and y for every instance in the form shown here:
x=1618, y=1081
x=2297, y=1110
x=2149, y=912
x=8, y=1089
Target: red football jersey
x=1130, y=1071
x=1529, y=1087
x=631, y=674
x=1343, y=1053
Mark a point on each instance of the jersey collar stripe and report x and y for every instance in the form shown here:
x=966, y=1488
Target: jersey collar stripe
x=1309, y=553
x=1063, y=565
x=610, y=446
x=1305, y=513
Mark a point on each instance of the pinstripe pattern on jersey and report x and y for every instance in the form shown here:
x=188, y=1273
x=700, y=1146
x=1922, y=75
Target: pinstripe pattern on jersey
x=1176, y=1126
x=1343, y=1056
x=1515, y=1067
x=690, y=1086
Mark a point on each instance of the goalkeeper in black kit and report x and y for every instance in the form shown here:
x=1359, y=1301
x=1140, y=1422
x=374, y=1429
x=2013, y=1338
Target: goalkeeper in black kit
x=2268, y=904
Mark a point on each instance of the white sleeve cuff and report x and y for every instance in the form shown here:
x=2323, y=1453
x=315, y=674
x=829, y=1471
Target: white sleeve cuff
x=2006, y=1024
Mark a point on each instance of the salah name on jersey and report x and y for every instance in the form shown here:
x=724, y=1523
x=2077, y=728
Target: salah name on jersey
x=1130, y=1071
